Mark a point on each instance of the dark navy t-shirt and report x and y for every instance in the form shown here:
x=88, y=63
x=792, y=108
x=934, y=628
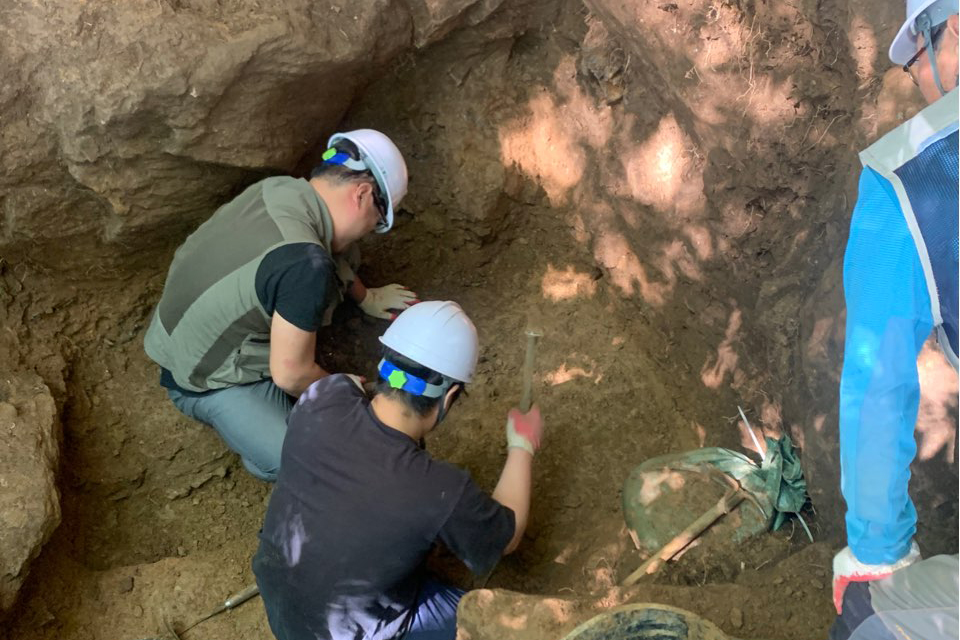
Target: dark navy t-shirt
x=355, y=511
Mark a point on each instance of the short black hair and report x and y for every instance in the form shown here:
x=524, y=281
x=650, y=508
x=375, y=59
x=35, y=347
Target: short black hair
x=422, y=405
x=342, y=173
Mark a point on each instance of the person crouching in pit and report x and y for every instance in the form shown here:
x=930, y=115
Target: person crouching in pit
x=359, y=502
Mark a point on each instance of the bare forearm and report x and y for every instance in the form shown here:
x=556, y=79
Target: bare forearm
x=296, y=382
x=357, y=291
x=513, y=491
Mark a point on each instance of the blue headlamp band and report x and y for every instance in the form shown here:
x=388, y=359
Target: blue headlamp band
x=334, y=156
x=399, y=379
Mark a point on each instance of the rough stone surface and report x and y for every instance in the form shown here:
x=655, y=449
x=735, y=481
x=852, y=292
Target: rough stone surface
x=117, y=119
x=29, y=456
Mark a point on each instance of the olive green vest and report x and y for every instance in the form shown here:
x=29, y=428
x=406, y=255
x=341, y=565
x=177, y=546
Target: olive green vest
x=209, y=328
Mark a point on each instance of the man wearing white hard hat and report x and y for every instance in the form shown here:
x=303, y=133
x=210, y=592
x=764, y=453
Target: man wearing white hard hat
x=235, y=330
x=900, y=283
x=359, y=503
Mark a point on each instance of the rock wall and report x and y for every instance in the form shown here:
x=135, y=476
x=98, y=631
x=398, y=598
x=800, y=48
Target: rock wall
x=29, y=457
x=132, y=121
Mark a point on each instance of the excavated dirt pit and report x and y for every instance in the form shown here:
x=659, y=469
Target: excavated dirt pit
x=557, y=179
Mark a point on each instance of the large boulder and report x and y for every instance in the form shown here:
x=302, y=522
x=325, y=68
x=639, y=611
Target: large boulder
x=116, y=119
x=29, y=456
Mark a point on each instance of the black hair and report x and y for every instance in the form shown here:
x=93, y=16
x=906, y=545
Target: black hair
x=342, y=173
x=421, y=405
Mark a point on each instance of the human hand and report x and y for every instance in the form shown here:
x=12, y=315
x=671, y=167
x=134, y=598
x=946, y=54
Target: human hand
x=524, y=430
x=847, y=569
x=379, y=301
x=357, y=380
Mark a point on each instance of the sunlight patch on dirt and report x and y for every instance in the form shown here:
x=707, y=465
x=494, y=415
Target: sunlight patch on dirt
x=863, y=46
x=771, y=417
x=589, y=122
x=567, y=553
x=561, y=609
x=542, y=147
x=567, y=284
x=513, y=622
x=701, y=434
x=715, y=370
x=820, y=336
x=661, y=172
x=547, y=145
x=936, y=419
x=699, y=236
x=771, y=103
x=565, y=373
x=677, y=254
x=653, y=483
x=613, y=251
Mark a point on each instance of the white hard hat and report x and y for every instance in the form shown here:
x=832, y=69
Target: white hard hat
x=905, y=44
x=437, y=335
x=383, y=159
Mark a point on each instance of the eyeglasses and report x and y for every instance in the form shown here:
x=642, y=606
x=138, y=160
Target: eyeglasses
x=381, y=206
x=934, y=36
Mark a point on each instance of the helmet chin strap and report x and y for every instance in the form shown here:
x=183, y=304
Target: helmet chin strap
x=924, y=26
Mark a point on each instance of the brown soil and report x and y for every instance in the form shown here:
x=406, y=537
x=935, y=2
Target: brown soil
x=160, y=519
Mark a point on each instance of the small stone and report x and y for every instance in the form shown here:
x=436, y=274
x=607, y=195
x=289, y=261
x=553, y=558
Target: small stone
x=181, y=551
x=736, y=618
x=137, y=611
x=126, y=585
x=816, y=584
x=778, y=580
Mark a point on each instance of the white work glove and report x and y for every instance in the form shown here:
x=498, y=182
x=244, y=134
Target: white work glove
x=524, y=430
x=378, y=302
x=847, y=569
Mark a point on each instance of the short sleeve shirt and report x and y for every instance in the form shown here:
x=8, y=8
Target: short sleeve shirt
x=356, y=509
x=298, y=281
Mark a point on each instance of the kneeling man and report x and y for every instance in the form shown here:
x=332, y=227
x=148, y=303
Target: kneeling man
x=359, y=502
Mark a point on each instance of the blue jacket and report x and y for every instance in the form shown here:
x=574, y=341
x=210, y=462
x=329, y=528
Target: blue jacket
x=889, y=317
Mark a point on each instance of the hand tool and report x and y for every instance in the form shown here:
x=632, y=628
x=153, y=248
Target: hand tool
x=230, y=603
x=526, y=398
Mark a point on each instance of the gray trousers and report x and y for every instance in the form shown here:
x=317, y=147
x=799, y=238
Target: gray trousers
x=251, y=419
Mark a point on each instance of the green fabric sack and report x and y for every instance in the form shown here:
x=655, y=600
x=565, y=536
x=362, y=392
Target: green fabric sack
x=663, y=495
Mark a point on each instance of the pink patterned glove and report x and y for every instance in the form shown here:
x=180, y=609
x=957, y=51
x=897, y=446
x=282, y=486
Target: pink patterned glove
x=524, y=430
